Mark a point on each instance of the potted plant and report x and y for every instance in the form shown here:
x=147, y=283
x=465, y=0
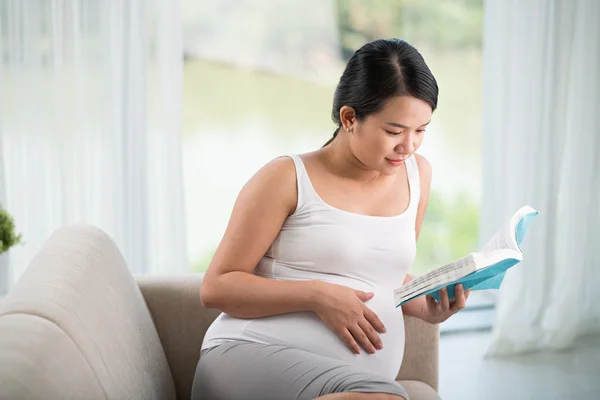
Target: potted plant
x=8, y=235
x=8, y=239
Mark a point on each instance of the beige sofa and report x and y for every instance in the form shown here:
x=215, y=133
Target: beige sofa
x=78, y=325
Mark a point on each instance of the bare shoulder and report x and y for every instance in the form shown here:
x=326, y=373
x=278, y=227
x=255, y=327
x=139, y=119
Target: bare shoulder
x=278, y=170
x=276, y=179
x=425, y=169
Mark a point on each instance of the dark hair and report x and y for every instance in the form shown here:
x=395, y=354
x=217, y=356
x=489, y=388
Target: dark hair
x=379, y=71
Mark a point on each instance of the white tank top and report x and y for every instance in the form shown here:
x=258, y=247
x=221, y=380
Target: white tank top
x=321, y=242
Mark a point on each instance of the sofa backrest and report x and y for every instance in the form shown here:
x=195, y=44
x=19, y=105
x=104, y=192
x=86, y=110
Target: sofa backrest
x=76, y=326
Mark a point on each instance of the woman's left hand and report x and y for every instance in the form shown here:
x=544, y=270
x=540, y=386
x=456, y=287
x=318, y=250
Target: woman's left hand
x=435, y=313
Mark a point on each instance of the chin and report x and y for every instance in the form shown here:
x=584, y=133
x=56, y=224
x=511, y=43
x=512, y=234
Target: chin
x=388, y=170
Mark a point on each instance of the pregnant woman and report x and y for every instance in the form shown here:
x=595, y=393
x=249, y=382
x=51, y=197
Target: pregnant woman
x=316, y=243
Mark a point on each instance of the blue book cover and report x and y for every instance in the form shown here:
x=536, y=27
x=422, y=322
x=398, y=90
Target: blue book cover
x=481, y=270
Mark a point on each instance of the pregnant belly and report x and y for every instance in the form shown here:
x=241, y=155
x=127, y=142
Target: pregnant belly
x=306, y=331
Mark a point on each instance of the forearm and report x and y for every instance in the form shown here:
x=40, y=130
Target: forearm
x=415, y=307
x=245, y=295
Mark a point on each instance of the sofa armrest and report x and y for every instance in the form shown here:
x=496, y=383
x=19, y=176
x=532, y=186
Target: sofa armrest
x=421, y=352
x=181, y=322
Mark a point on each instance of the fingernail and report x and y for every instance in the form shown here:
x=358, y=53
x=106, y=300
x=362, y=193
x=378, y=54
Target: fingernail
x=460, y=286
x=380, y=346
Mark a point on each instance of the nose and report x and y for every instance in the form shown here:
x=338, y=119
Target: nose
x=406, y=144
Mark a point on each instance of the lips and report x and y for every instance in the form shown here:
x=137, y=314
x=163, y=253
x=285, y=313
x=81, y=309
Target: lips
x=396, y=162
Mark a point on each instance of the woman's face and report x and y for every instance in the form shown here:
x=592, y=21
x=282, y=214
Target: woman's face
x=382, y=141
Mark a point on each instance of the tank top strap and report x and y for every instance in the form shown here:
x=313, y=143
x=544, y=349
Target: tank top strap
x=303, y=184
x=414, y=181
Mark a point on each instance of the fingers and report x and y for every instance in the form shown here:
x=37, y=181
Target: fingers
x=364, y=296
x=371, y=334
x=361, y=338
x=374, y=320
x=460, y=298
x=444, y=300
x=432, y=304
x=349, y=340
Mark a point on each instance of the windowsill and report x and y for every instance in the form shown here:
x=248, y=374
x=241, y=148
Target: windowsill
x=470, y=319
x=478, y=315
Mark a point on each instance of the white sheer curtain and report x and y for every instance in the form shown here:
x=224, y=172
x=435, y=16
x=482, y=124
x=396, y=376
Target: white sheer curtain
x=4, y=274
x=90, y=123
x=541, y=139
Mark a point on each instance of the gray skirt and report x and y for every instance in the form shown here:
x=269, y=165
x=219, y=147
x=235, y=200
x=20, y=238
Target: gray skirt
x=248, y=371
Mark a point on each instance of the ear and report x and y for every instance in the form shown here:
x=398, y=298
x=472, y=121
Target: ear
x=347, y=117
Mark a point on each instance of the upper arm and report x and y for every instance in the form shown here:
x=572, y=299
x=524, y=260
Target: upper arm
x=425, y=179
x=260, y=210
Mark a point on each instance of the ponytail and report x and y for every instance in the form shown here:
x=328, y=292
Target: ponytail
x=332, y=138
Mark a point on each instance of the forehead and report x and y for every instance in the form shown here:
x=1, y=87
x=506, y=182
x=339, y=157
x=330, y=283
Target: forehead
x=407, y=110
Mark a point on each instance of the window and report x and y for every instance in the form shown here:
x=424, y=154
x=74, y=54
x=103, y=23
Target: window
x=259, y=82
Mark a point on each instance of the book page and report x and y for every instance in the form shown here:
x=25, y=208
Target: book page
x=505, y=238
x=496, y=256
x=447, y=273
x=500, y=241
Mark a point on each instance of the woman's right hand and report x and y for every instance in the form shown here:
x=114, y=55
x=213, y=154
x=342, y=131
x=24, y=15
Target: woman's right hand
x=343, y=310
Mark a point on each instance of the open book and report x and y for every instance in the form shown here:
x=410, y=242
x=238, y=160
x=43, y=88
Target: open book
x=480, y=270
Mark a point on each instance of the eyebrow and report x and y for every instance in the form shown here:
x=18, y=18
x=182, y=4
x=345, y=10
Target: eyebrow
x=403, y=126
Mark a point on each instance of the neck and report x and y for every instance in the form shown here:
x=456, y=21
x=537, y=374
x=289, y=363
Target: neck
x=340, y=158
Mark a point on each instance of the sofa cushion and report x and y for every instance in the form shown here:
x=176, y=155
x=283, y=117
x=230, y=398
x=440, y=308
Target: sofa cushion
x=80, y=284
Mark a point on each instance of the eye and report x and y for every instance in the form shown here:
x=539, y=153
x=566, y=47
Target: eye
x=393, y=133
x=421, y=130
